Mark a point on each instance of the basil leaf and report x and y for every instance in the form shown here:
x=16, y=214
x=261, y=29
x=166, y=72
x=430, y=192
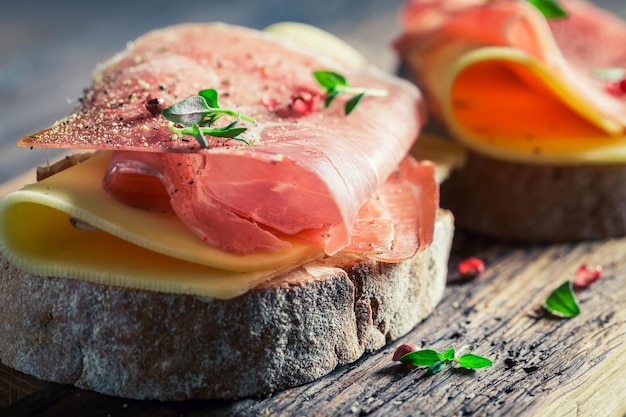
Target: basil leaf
x=551, y=9
x=562, y=302
x=211, y=97
x=352, y=103
x=426, y=357
x=472, y=361
x=188, y=111
x=329, y=80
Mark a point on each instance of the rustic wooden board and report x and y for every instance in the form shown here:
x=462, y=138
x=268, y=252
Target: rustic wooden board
x=542, y=367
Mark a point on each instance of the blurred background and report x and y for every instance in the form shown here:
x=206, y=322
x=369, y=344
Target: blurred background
x=48, y=49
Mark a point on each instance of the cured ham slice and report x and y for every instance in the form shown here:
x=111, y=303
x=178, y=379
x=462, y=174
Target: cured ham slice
x=308, y=172
x=407, y=197
x=510, y=84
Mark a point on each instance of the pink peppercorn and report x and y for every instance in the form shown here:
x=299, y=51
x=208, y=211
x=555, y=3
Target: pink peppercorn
x=402, y=350
x=305, y=102
x=471, y=267
x=585, y=276
x=616, y=88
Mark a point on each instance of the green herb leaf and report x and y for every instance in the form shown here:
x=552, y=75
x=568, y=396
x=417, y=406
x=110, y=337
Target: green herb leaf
x=436, y=361
x=551, y=9
x=425, y=357
x=188, y=111
x=472, y=361
x=562, y=302
x=352, y=103
x=225, y=132
x=437, y=367
x=330, y=97
x=336, y=84
x=329, y=79
x=195, y=116
x=197, y=133
x=211, y=97
x=448, y=355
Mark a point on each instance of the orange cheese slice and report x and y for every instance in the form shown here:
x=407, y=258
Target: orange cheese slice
x=504, y=103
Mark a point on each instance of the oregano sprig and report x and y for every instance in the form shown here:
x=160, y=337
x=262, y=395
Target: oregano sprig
x=195, y=116
x=336, y=84
x=436, y=361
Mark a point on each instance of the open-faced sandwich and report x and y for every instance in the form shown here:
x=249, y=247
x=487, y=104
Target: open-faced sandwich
x=535, y=95
x=249, y=220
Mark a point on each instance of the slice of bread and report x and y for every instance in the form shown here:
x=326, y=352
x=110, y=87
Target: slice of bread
x=537, y=203
x=150, y=345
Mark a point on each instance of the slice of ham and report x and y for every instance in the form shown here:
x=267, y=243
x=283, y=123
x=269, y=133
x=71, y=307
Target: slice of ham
x=307, y=173
x=511, y=84
x=391, y=226
x=407, y=197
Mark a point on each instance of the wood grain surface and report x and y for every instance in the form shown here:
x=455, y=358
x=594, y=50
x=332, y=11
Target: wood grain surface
x=542, y=367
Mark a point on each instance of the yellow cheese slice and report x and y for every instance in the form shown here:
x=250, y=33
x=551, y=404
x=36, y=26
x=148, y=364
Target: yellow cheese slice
x=504, y=103
x=445, y=154
x=320, y=41
x=130, y=247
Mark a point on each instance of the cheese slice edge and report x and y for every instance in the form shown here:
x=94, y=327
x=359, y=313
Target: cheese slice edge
x=599, y=139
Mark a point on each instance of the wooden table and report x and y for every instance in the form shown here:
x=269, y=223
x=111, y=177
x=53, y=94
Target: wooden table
x=542, y=367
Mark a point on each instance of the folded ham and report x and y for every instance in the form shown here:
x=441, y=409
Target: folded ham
x=311, y=173
x=510, y=84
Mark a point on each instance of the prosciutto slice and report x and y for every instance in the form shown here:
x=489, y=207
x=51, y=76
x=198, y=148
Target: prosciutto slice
x=513, y=85
x=314, y=174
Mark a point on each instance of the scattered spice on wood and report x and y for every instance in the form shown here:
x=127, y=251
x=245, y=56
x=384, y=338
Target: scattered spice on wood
x=586, y=275
x=471, y=267
x=402, y=350
x=510, y=363
x=530, y=369
x=536, y=313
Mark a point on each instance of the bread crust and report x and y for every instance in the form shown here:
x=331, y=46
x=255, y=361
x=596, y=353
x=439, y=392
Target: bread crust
x=537, y=203
x=150, y=345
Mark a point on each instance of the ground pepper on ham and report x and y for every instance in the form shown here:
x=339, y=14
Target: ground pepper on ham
x=306, y=174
